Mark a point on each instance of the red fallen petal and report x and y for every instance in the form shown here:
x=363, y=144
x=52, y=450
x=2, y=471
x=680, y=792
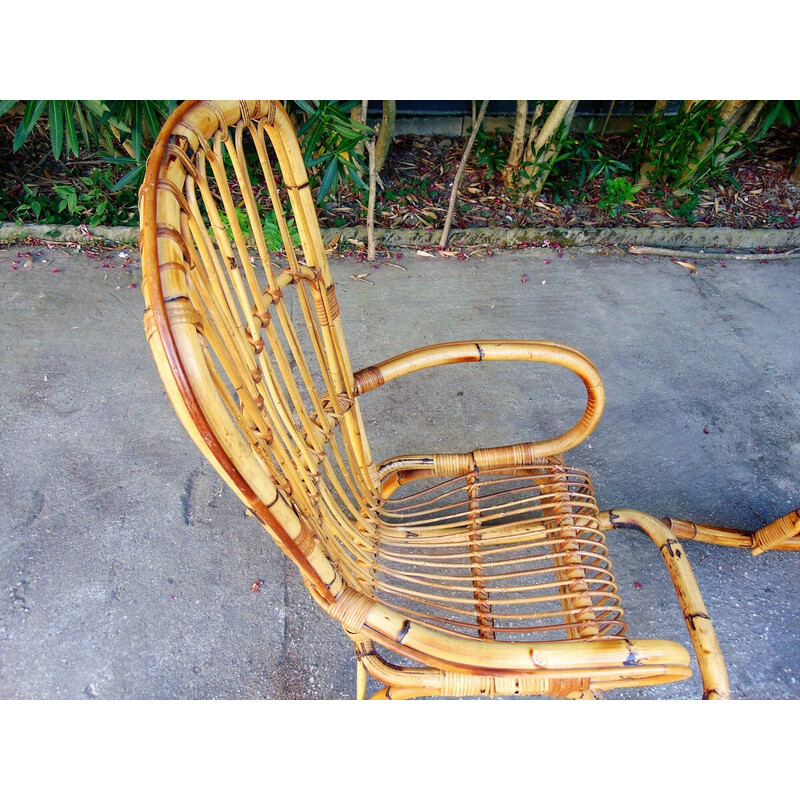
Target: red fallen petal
x=132, y=286
x=55, y=270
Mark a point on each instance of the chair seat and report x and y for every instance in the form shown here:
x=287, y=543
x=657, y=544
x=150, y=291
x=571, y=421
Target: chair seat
x=492, y=555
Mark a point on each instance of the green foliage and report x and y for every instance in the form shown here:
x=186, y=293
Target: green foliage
x=94, y=202
x=489, y=153
x=674, y=147
x=783, y=112
x=687, y=208
x=242, y=219
x=140, y=119
x=329, y=138
x=271, y=229
x=272, y=233
x=617, y=192
x=62, y=116
x=100, y=123
x=581, y=161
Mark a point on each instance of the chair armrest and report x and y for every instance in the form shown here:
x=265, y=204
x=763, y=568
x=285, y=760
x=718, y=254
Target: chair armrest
x=517, y=455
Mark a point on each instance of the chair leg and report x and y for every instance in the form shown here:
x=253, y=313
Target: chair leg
x=361, y=680
x=704, y=639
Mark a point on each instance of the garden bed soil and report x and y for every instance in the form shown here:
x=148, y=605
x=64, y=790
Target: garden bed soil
x=416, y=183
x=417, y=180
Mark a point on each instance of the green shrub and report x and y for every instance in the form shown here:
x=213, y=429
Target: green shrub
x=618, y=191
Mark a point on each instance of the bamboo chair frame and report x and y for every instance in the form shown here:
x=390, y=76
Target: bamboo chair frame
x=494, y=577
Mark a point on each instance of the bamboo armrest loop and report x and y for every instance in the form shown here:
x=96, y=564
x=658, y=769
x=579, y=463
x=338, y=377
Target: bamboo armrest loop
x=493, y=350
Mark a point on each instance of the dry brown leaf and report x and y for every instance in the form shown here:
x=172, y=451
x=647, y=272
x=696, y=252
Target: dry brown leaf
x=690, y=267
x=362, y=277
x=423, y=253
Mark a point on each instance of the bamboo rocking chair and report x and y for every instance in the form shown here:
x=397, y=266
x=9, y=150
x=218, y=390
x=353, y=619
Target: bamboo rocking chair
x=488, y=570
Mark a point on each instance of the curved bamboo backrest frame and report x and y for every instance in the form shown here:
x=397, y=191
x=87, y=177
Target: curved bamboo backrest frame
x=226, y=346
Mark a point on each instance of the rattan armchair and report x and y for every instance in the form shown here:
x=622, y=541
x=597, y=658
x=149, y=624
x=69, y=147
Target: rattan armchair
x=489, y=570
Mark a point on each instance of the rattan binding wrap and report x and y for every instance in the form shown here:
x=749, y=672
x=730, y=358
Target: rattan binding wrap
x=489, y=569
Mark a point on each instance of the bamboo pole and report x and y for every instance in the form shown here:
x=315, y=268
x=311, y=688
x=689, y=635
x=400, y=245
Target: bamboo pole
x=648, y=166
x=552, y=150
x=517, y=144
x=528, y=156
x=747, y=124
x=457, y=180
x=729, y=112
x=542, y=149
x=385, y=133
x=371, y=204
x=359, y=114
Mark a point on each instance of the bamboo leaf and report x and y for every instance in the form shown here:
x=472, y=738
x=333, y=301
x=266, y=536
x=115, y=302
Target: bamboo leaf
x=134, y=176
x=56, y=128
x=33, y=110
x=305, y=106
x=329, y=179
x=96, y=108
x=81, y=117
x=313, y=162
x=153, y=123
x=136, y=131
x=72, y=137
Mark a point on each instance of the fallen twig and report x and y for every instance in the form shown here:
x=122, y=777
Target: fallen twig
x=642, y=250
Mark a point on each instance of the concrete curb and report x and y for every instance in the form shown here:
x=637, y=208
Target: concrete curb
x=11, y=232
x=697, y=238
x=582, y=237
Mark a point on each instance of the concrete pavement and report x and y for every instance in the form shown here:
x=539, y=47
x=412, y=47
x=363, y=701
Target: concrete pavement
x=126, y=565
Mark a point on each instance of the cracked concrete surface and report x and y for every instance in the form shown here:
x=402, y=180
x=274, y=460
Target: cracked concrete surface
x=126, y=565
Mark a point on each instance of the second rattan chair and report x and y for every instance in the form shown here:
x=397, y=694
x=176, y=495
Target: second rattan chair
x=489, y=570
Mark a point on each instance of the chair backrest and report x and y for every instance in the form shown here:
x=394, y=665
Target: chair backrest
x=248, y=339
